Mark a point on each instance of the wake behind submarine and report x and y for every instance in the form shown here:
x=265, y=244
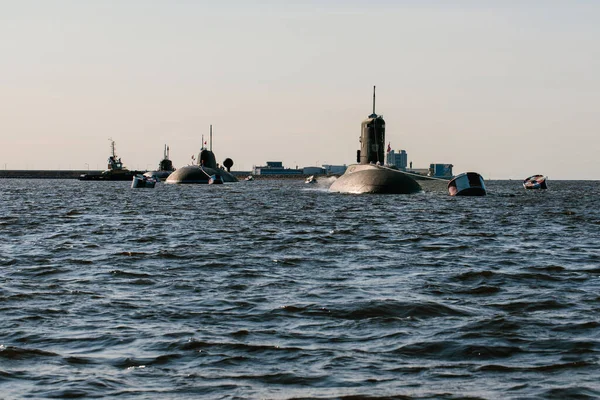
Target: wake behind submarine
x=206, y=171
x=369, y=175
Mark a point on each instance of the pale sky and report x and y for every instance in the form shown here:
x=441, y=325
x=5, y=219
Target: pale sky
x=504, y=88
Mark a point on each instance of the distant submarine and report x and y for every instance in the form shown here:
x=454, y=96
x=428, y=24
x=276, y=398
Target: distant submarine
x=205, y=172
x=369, y=175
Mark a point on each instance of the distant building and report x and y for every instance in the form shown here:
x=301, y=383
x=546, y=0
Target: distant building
x=275, y=168
x=313, y=171
x=334, y=169
x=399, y=159
x=440, y=170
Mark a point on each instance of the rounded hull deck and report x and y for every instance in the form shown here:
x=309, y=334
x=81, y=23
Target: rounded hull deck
x=193, y=174
x=369, y=178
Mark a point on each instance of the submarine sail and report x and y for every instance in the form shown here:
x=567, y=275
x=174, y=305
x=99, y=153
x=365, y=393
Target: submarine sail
x=372, y=138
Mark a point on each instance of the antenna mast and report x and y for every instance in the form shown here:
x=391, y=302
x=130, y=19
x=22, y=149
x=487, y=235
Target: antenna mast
x=112, y=147
x=373, y=100
x=210, y=137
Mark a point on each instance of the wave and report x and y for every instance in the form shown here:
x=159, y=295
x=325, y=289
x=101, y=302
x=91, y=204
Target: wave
x=19, y=353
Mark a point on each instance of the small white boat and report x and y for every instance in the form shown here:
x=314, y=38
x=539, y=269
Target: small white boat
x=311, y=179
x=467, y=184
x=141, y=181
x=535, y=182
x=249, y=178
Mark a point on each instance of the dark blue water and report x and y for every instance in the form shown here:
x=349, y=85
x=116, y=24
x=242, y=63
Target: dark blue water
x=270, y=289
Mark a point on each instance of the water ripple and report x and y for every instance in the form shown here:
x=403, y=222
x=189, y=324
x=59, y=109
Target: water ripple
x=268, y=290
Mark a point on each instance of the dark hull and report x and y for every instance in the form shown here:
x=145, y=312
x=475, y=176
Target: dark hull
x=161, y=175
x=470, y=192
x=541, y=186
x=143, y=186
x=192, y=174
x=110, y=176
x=467, y=184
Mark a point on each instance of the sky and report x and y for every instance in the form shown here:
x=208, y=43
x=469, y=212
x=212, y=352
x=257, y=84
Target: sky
x=504, y=88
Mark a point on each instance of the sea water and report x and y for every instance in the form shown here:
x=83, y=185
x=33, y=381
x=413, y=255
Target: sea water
x=277, y=289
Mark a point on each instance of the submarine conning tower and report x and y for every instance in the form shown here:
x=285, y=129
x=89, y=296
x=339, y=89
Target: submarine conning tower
x=372, y=138
x=166, y=164
x=206, y=158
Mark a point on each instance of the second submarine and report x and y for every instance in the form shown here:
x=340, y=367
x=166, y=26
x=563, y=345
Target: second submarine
x=369, y=175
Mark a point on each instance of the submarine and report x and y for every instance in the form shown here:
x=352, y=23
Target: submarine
x=165, y=167
x=370, y=175
x=206, y=171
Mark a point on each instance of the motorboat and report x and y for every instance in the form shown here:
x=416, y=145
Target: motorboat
x=311, y=179
x=535, y=182
x=467, y=184
x=249, y=178
x=142, y=181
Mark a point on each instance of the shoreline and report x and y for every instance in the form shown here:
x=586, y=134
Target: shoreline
x=74, y=174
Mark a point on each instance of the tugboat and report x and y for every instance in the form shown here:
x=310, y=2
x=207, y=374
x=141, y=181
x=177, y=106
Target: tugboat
x=369, y=175
x=535, y=182
x=467, y=184
x=165, y=167
x=115, y=172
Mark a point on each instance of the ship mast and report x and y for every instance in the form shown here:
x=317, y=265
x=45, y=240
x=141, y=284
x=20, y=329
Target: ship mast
x=373, y=115
x=112, y=147
x=374, y=100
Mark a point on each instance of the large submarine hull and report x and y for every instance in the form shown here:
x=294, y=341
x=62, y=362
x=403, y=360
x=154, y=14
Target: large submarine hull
x=369, y=178
x=195, y=174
